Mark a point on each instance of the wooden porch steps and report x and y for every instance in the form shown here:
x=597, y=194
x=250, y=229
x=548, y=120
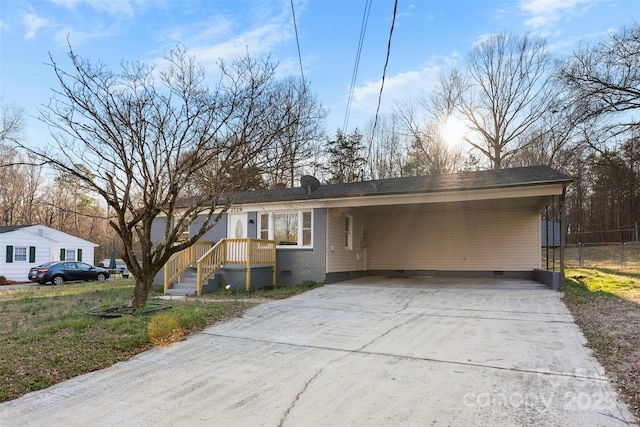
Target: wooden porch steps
x=248, y=254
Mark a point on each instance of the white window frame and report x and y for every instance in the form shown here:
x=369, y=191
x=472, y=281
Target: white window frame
x=348, y=232
x=271, y=227
x=67, y=252
x=15, y=254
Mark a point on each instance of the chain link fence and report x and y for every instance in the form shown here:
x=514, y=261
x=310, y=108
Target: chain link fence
x=602, y=255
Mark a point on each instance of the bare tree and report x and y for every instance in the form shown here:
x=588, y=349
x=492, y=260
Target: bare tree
x=604, y=81
x=429, y=150
x=506, y=91
x=294, y=151
x=553, y=141
x=139, y=138
x=386, y=150
x=11, y=124
x=20, y=182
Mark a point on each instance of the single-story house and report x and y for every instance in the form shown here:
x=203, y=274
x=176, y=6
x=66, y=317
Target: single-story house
x=480, y=223
x=26, y=246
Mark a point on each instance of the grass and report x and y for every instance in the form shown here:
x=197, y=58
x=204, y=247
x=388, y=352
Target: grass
x=606, y=306
x=49, y=338
x=269, y=293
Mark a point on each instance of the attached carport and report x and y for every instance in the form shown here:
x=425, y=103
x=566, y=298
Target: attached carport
x=476, y=224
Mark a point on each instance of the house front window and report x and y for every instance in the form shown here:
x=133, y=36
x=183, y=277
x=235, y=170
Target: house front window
x=264, y=227
x=70, y=255
x=288, y=229
x=20, y=254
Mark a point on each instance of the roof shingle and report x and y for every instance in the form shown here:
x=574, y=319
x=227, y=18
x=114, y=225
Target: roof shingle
x=461, y=181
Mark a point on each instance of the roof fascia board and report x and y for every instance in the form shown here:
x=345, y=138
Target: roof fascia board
x=407, y=198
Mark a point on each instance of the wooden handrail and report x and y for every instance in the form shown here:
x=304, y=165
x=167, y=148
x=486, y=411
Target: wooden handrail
x=248, y=252
x=181, y=261
x=209, y=263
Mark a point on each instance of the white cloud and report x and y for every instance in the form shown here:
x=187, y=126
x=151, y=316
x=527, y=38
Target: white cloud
x=80, y=23
x=33, y=23
x=544, y=13
x=261, y=30
x=198, y=32
x=255, y=41
x=397, y=89
x=120, y=8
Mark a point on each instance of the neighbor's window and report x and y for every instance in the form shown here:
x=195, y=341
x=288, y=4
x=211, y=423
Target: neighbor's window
x=348, y=232
x=70, y=255
x=287, y=228
x=20, y=254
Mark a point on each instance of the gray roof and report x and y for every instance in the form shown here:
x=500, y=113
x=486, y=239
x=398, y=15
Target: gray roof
x=10, y=228
x=461, y=181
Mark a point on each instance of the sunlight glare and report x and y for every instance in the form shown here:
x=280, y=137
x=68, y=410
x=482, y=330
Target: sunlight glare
x=454, y=130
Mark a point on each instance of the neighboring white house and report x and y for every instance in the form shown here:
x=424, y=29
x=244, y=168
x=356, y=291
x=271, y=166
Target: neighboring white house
x=26, y=246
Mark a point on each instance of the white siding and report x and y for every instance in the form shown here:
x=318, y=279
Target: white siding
x=340, y=258
x=487, y=240
x=18, y=270
x=47, y=242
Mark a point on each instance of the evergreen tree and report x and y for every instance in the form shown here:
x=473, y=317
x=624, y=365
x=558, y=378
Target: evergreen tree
x=346, y=157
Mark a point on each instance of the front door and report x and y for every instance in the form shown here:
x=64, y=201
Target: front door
x=236, y=229
x=237, y=226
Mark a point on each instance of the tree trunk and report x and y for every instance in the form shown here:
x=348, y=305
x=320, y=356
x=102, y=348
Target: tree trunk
x=141, y=291
x=497, y=159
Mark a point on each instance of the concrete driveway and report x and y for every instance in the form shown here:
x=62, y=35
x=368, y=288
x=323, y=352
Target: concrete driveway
x=368, y=352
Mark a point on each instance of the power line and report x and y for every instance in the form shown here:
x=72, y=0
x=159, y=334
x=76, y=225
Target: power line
x=356, y=65
x=295, y=27
x=384, y=71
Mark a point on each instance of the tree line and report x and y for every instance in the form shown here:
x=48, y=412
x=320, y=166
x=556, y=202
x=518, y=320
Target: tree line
x=149, y=143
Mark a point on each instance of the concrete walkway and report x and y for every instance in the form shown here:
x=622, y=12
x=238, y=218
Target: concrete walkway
x=375, y=352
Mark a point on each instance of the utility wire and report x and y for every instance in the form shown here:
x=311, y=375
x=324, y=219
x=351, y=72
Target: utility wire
x=295, y=27
x=356, y=65
x=384, y=71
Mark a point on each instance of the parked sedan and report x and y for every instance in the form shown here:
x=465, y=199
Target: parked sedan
x=58, y=272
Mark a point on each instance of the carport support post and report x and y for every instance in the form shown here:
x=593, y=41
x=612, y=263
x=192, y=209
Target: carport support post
x=563, y=236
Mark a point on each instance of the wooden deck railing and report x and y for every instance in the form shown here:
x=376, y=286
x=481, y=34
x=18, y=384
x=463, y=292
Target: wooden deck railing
x=247, y=252
x=208, y=259
x=181, y=261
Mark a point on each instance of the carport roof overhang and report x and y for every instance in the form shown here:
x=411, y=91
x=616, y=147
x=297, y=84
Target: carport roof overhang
x=532, y=188
x=528, y=197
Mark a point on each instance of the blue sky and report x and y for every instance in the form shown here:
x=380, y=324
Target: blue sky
x=429, y=35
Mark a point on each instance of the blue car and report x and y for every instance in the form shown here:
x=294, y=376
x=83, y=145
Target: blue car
x=58, y=272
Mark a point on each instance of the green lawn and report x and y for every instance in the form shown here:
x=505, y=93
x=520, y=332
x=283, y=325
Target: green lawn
x=47, y=337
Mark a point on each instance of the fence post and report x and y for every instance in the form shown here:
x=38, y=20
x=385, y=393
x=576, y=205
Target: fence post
x=624, y=255
x=580, y=258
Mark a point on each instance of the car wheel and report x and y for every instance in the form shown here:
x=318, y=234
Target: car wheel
x=57, y=280
x=101, y=277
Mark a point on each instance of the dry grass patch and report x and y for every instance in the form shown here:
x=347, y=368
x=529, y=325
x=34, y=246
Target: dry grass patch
x=49, y=338
x=606, y=305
